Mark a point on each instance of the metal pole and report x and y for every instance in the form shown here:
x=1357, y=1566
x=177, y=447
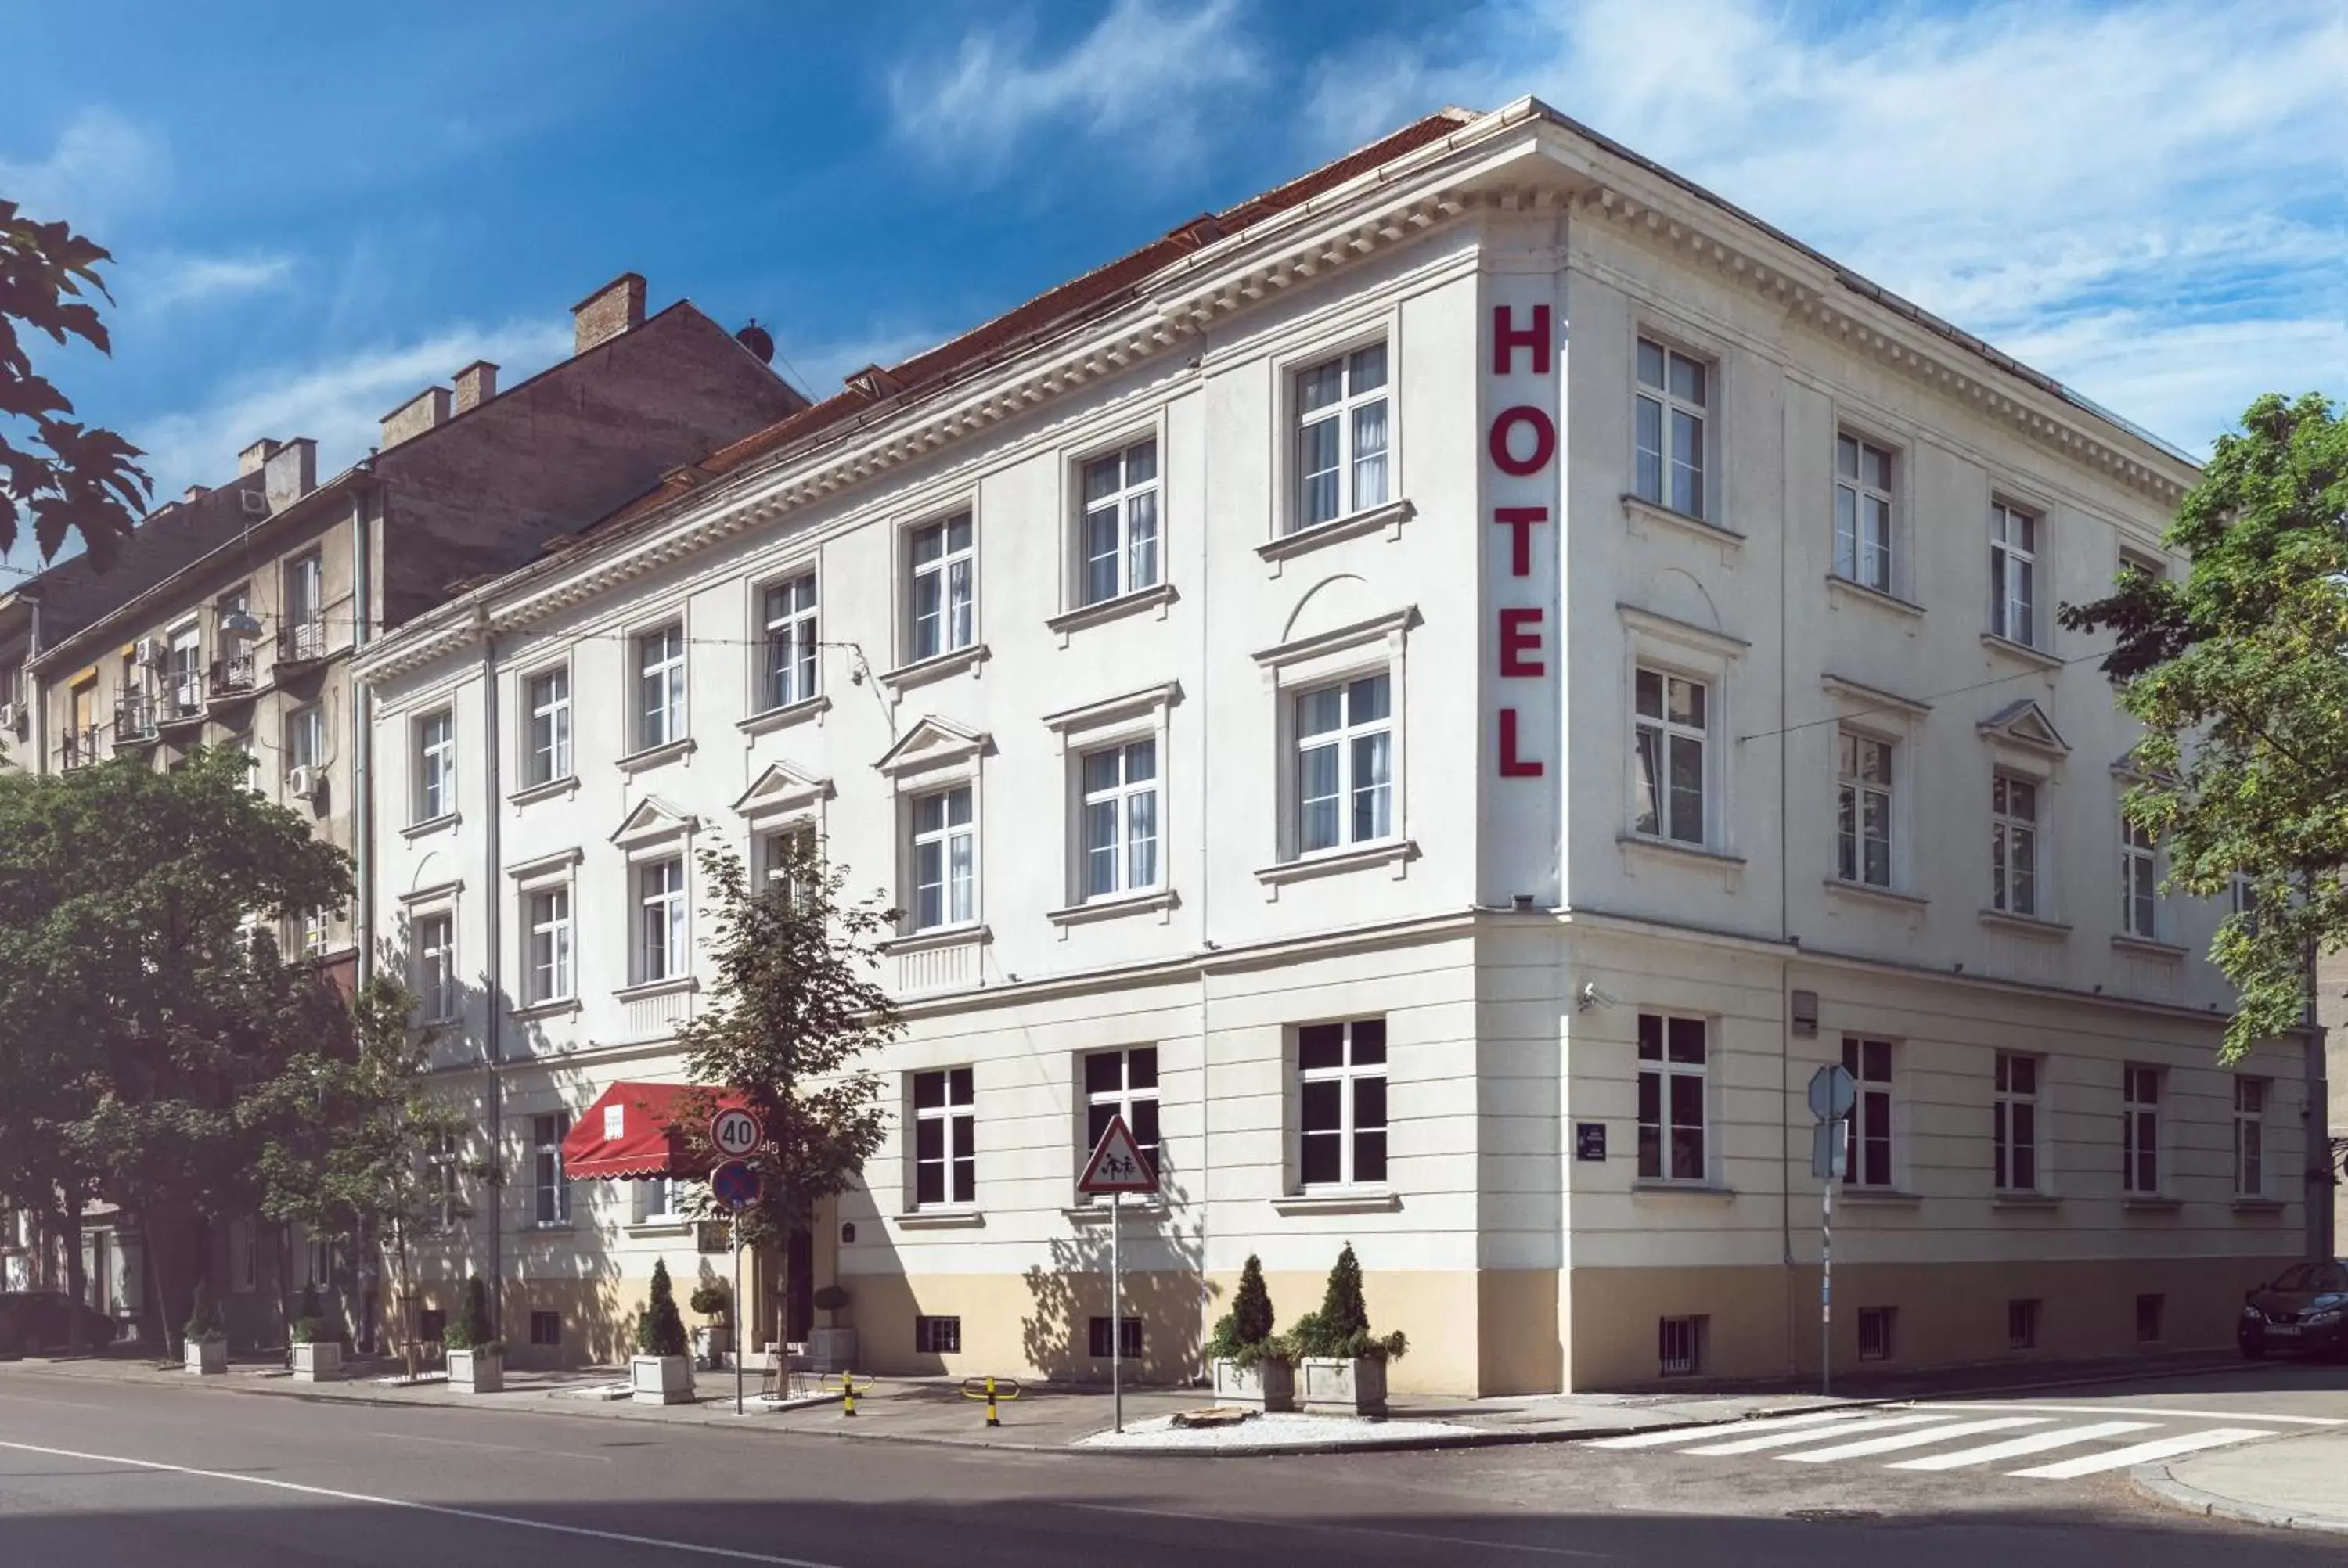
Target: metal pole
x=1116, y=1309
x=1825, y=1287
x=736, y=1315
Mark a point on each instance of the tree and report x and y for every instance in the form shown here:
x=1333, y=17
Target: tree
x=659, y=1330
x=1241, y=1333
x=2239, y=675
x=470, y=1328
x=85, y=481
x=1341, y=1328
x=795, y=1005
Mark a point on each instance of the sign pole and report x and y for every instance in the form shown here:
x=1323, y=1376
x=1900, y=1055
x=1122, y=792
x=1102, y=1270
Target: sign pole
x=1825, y=1287
x=736, y=1313
x=1116, y=1314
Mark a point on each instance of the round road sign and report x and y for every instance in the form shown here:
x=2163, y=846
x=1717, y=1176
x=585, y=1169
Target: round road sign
x=733, y=1131
x=1832, y=1092
x=735, y=1185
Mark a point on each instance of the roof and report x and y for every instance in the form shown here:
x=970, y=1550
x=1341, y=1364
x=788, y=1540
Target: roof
x=74, y=593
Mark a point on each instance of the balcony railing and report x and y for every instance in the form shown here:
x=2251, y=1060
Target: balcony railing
x=134, y=719
x=233, y=676
x=79, y=748
x=186, y=700
x=304, y=640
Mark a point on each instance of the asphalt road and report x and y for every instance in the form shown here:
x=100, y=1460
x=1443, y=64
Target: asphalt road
x=97, y=1474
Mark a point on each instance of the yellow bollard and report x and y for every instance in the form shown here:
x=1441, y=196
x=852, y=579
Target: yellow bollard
x=991, y=1389
x=849, y=1389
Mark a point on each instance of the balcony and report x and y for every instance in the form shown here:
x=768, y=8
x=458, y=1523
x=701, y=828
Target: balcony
x=231, y=678
x=79, y=748
x=184, y=702
x=134, y=720
x=302, y=640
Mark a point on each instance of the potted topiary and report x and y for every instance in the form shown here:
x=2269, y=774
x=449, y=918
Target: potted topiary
x=831, y=1346
x=1251, y=1365
x=660, y=1372
x=317, y=1353
x=206, y=1340
x=477, y=1359
x=1341, y=1366
x=714, y=1301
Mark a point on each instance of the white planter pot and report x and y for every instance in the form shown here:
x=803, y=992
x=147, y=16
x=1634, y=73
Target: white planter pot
x=207, y=1355
x=1269, y=1386
x=831, y=1349
x=319, y=1361
x=660, y=1379
x=1354, y=1387
x=711, y=1342
x=477, y=1371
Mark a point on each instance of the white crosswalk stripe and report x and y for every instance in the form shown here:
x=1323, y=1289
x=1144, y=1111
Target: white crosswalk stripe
x=1691, y=1434
x=2017, y=1448
x=2143, y=1453
x=1939, y=1434
x=1773, y=1439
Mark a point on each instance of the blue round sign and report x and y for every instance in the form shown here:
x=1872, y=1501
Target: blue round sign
x=735, y=1185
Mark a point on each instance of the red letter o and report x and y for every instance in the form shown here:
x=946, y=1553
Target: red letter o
x=1544, y=440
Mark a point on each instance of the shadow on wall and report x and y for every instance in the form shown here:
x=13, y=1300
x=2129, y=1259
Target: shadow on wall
x=1164, y=1290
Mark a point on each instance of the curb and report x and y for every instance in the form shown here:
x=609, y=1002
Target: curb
x=2155, y=1482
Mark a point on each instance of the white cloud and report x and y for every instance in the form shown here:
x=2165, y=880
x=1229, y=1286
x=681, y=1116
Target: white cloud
x=1142, y=73
x=102, y=165
x=170, y=280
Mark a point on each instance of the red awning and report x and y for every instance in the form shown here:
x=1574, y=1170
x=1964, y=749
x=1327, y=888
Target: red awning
x=630, y=1133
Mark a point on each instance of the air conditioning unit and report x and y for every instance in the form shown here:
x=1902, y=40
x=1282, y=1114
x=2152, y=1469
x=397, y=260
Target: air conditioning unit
x=305, y=780
x=256, y=504
x=150, y=652
x=8, y=715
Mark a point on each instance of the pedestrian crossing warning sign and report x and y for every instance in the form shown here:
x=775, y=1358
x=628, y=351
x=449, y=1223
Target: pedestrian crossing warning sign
x=1117, y=1165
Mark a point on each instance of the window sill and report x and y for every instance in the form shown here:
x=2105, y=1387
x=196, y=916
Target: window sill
x=784, y=717
x=1868, y=892
x=1123, y=605
x=656, y=757
x=939, y=936
x=937, y=667
x=2145, y=947
x=2025, y=1202
x=1878, y=1197
x=2022, y=652
x=942, y=1219
x=1669, y=849
x=1840, y=587
x=1650, y=1186
x=567, y=785
x=1390, y=516
x=671, y=986
x=2258, y=1206
x=658, y=1228
x=1397, y=853
x=2025, y=924
x=430, y=826
x=1112, y=905
x=1637, y=509
x=554, y=1007
x=548, y=1226
x=1097, y=1212
x=1340, y=1200
x=2150, y=1205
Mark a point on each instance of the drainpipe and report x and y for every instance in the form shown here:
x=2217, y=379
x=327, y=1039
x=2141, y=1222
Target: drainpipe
x=38, y=695
x=361, y=707
x=493, y=991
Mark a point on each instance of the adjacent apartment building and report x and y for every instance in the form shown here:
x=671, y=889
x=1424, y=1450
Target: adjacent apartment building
x=1443, y=694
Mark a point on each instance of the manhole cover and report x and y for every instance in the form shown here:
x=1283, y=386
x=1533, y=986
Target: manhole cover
x=1831, y=1515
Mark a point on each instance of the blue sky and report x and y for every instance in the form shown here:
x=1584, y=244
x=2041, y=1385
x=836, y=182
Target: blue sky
x=318, y=210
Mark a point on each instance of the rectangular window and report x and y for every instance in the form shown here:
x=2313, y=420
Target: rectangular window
x=660, y=915
x=1343, y=435
x=944, y=588
x=1342, y=1093
x=2243, y=898
x=660, y=687
x=546, y=1329
x=1121, y=523
x=937, y=1335
x=1122, y=1083
x=1129, y=1338
x=1863, y=513
x=1121, y=818
x=303, y=634
x=431, y=1323
x=2140, y=1131
x=1669, y=408
x=187, y=672
x=945, y=1139
x=1867, y=1143
x=447, y=1186
x=2014, y=1123
x=2139, y=882
x=313, y=933
x=1670, y=1099
x=777, y=848
x=945, y=859
x=435, y=968
x=436, y=766
x=1863, y=809
x=550, y=1192
x=2250, y=1137
x=2013, y=845
x=655, y=1201
x=2013, y=574
x=305, y=737
x=1679, y=1346
x=791, y=665
x=2149, y=1313
x=2022, y=1324
x=547, y=914
x=1344, y=763
x=1670, y=730
x=1876, y=1325
x=550, y=728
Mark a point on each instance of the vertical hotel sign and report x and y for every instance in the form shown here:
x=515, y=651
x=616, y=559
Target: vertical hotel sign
x=1523, y=764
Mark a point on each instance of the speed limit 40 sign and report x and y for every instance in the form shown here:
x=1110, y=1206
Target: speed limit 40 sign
x=734, y=1132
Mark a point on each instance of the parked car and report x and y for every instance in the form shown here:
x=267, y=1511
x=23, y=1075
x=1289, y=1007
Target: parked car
x=2302, y=1311
x=34, y=1320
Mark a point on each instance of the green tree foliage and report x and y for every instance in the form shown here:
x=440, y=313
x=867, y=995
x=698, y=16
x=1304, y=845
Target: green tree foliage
x=2239, y=675
x=470, y=1328
x=1341, y=1328
x=203, y=1313
x=61, y=474
x=1241, y=1333
x=659, y=1330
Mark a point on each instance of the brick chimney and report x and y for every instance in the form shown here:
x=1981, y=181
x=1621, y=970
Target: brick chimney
x=250, y=460
x=476, y=384
x=412, y=418
x=290, y=473
x=607, y=312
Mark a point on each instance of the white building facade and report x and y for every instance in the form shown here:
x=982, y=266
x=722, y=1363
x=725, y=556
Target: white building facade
x=1444, y=703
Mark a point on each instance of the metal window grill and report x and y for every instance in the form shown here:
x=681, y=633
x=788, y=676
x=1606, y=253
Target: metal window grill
x=1875, y=1333
x=2022, y=1324
x=1679, y=1346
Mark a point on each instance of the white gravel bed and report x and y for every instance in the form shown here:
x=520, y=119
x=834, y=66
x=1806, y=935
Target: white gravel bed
x=1273, y=1431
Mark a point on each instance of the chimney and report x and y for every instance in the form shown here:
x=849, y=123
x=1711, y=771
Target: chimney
x=250, y=460
x=476, y=384
x=290, y=473
x=607, y=312
x=195, y=492
x=412, y=418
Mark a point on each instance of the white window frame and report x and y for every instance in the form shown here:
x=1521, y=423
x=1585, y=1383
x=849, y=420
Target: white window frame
x=1126, y=800
x=1650, y=784
x=1671, y=406
x=656, y=1202
x=1121, y=1100
x=660, y=911
x=2008, y=830
x=549, y=1189
x=1366, y=648
x=790, y=659
x=185, y=670
x=1856, y=795
x=1858, y=557
x=766, y=842
x=303, y=634
x=2252, y=1099
x=436, y=965
x=2014, y=616
x=546, y=752
x=1353, y=401
x=957, y=1170
x=653, y=663
x=2139, y=882
x=1349, y=1073
x=951, y=914
x=953, y=636
x=1663, y=1070
x=1123, y=503
x=435, y=778
x=2141, y=1128
x=2008, y=1102
x=313, y=929
x=1874, y=1114
x=305, y=736
x=560, y=930
x=1345, y=740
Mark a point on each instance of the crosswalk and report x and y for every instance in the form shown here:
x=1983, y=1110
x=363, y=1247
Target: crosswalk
x=2072, y=1440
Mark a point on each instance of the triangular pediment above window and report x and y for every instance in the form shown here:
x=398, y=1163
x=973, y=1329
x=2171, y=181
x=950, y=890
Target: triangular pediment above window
x=2025, y=724
x=654, y=818
x=781, y=790
x=932, y=742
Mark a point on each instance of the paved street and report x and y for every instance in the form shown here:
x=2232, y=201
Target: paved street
x=103, y=1474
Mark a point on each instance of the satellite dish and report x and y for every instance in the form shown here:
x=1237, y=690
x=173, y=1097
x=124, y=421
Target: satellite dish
x=758, y=341
x=241, y=624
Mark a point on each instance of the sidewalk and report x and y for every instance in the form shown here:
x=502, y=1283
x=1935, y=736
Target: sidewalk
x=2298, y=1483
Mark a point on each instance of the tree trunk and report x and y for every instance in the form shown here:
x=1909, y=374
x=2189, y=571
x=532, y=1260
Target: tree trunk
x=76, y=1277
x=165, y=1329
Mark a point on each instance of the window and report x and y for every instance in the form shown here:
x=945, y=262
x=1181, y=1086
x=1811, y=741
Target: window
x=655, y=1202
x=945, y=1140
x=312, y=938
x=937, y=1335
x=790, y=618
x=2140, y=1131
x=1670, y=1099
x=1863, y=809
x=550, y=728
x=1344, y=763
x=2244, y=898
x=546, y=1329
x=1866, y=1142
x=2149, y=1313
x=444, y=1176
x=1342, y=1109
x=2250, y=1137
x=1121, y=818
x=1670, y=410
x=946, y=588
x=2140, y=881
x=2013, y=845
x=436, y=766
x=945, y=859
x=660, y=913
x=1342, y=434
x=547, y=915
x=187, y=673
x=1875, y=1332
x=777, y=848
x=436, y=967
x=550, y=1192
x=2014, y=1123
x=1670, y=735
x=2022, y=1324
x=660, y=687
x=2013, y=574
x=1129, y=1338
x=303, y=635
x=1120, y=525
x=1863, y=513
x=1679, y=1346
x=1122, y=1083
x=305, y=737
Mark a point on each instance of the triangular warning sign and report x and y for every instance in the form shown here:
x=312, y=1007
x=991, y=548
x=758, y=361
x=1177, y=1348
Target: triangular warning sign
x=1117, y=1165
